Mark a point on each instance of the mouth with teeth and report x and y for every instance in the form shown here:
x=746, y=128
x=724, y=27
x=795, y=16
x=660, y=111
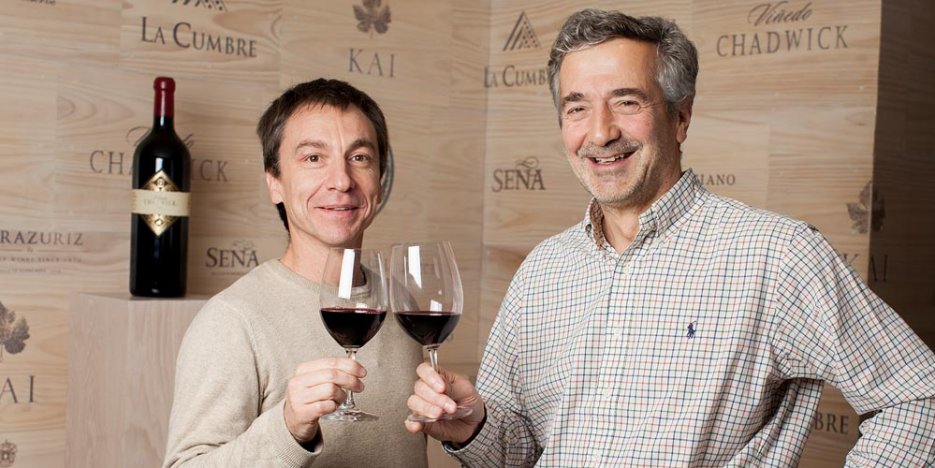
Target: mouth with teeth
x=607, y=160
x=341, y=209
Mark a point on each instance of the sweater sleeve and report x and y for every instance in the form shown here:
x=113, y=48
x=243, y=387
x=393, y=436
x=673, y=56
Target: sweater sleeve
x=216, y=419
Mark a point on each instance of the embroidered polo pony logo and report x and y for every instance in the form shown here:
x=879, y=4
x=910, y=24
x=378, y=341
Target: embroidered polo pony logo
x=691, y=330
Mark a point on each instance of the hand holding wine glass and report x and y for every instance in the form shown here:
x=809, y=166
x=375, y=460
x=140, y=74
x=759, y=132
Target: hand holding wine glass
x=316, y=389
x=353, y=303
x=426, y=298
x=437, y=392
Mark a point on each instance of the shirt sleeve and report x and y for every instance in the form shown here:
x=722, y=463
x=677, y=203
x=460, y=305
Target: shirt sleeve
x=216, y=419
x=505, y=439
x=831, y=326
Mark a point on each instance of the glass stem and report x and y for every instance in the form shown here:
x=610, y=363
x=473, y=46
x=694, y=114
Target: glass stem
x=433, y=357
x=349, y=400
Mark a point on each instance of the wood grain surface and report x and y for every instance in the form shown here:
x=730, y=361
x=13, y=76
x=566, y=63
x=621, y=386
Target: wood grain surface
x=804, y=114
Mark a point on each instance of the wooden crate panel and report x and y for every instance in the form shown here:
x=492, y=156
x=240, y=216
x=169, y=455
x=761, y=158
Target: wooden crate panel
x=122, y=365
x=100, y=124
x=409, y=57
x=804, y=115
x=33, y=393
x=903, y=231
x=213, y=40
x=820, y=54
x=27, y=90
x=215, y=262
x=729, y=151
x=86, y=30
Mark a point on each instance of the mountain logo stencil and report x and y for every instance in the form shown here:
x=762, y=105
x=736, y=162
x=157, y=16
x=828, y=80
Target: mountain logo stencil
x=209, y=4
x=522, y=36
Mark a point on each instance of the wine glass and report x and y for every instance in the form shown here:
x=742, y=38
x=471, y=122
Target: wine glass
x=353, y=307
x=426, y=299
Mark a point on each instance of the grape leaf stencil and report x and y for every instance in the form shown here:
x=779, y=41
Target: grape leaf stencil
x=13, y=333
x=370, y=17
x=868, y=212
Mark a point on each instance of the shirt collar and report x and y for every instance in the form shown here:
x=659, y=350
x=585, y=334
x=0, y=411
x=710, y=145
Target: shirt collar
x=658, y=218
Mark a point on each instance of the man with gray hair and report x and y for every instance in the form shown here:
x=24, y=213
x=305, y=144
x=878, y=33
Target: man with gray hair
x=673, y=327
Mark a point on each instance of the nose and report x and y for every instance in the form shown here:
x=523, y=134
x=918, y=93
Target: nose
x=604, y=128
x=339, y=176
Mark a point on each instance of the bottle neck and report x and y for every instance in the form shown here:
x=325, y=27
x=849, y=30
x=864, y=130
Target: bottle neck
x=163, y=109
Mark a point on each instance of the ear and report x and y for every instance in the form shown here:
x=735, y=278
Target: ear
x=683, y=116
x=274, y=188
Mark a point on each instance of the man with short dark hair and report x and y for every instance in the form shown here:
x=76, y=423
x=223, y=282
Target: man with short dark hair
x=673, y=327
x=257, y=368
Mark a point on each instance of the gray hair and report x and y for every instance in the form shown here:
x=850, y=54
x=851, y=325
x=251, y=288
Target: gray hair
x=678, y=57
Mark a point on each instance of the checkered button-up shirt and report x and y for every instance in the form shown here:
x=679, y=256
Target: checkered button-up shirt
x=705, y=343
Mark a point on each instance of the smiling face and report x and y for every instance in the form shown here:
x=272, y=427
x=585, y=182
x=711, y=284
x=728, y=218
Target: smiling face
x=329, y=181
x=619, y=138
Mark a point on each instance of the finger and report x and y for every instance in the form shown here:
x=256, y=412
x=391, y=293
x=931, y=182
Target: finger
x=328, y=392
x=328, y=376
x=423, y=407
x=315, y=410
x=308, y=411
x=429, y=376
x=312, y=403
x=346, y=365
x=429, y=395
x=413, y=427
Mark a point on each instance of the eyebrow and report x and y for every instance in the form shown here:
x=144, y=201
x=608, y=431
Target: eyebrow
x=318, y=144
x=571, y=97
x=362, y=143
x=313, y=143
x=619, y=92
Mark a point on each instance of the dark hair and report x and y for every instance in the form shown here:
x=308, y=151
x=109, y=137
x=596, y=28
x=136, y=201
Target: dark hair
x=320, y=92
x=678, y=58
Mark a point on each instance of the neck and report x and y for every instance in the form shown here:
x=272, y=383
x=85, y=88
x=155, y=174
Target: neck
x=621, y=225
x=621, y=222
x=308, y=258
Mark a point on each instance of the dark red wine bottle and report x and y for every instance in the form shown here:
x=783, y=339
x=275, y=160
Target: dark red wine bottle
x=160, y=204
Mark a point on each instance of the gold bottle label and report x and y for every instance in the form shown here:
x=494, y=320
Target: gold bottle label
x=160, y=203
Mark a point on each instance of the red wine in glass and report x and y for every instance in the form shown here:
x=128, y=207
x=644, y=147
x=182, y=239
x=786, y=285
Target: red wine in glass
x=427, y=327
x=353, y=301
x=352, y=328
x=426, y=298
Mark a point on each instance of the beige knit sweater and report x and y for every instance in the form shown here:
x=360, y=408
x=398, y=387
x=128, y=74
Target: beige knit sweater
x=236, y=359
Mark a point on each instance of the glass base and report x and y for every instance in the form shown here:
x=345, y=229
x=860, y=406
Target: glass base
x=349, y=415
x=459, y=413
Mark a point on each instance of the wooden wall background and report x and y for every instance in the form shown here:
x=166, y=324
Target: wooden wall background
x=826, y=115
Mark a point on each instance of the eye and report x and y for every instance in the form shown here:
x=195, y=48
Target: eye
x=628, y=106
x=361, y=158
x=312, y=158
x=574, y=112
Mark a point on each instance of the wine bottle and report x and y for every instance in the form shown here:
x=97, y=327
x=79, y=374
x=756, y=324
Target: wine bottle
x=160, y=204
